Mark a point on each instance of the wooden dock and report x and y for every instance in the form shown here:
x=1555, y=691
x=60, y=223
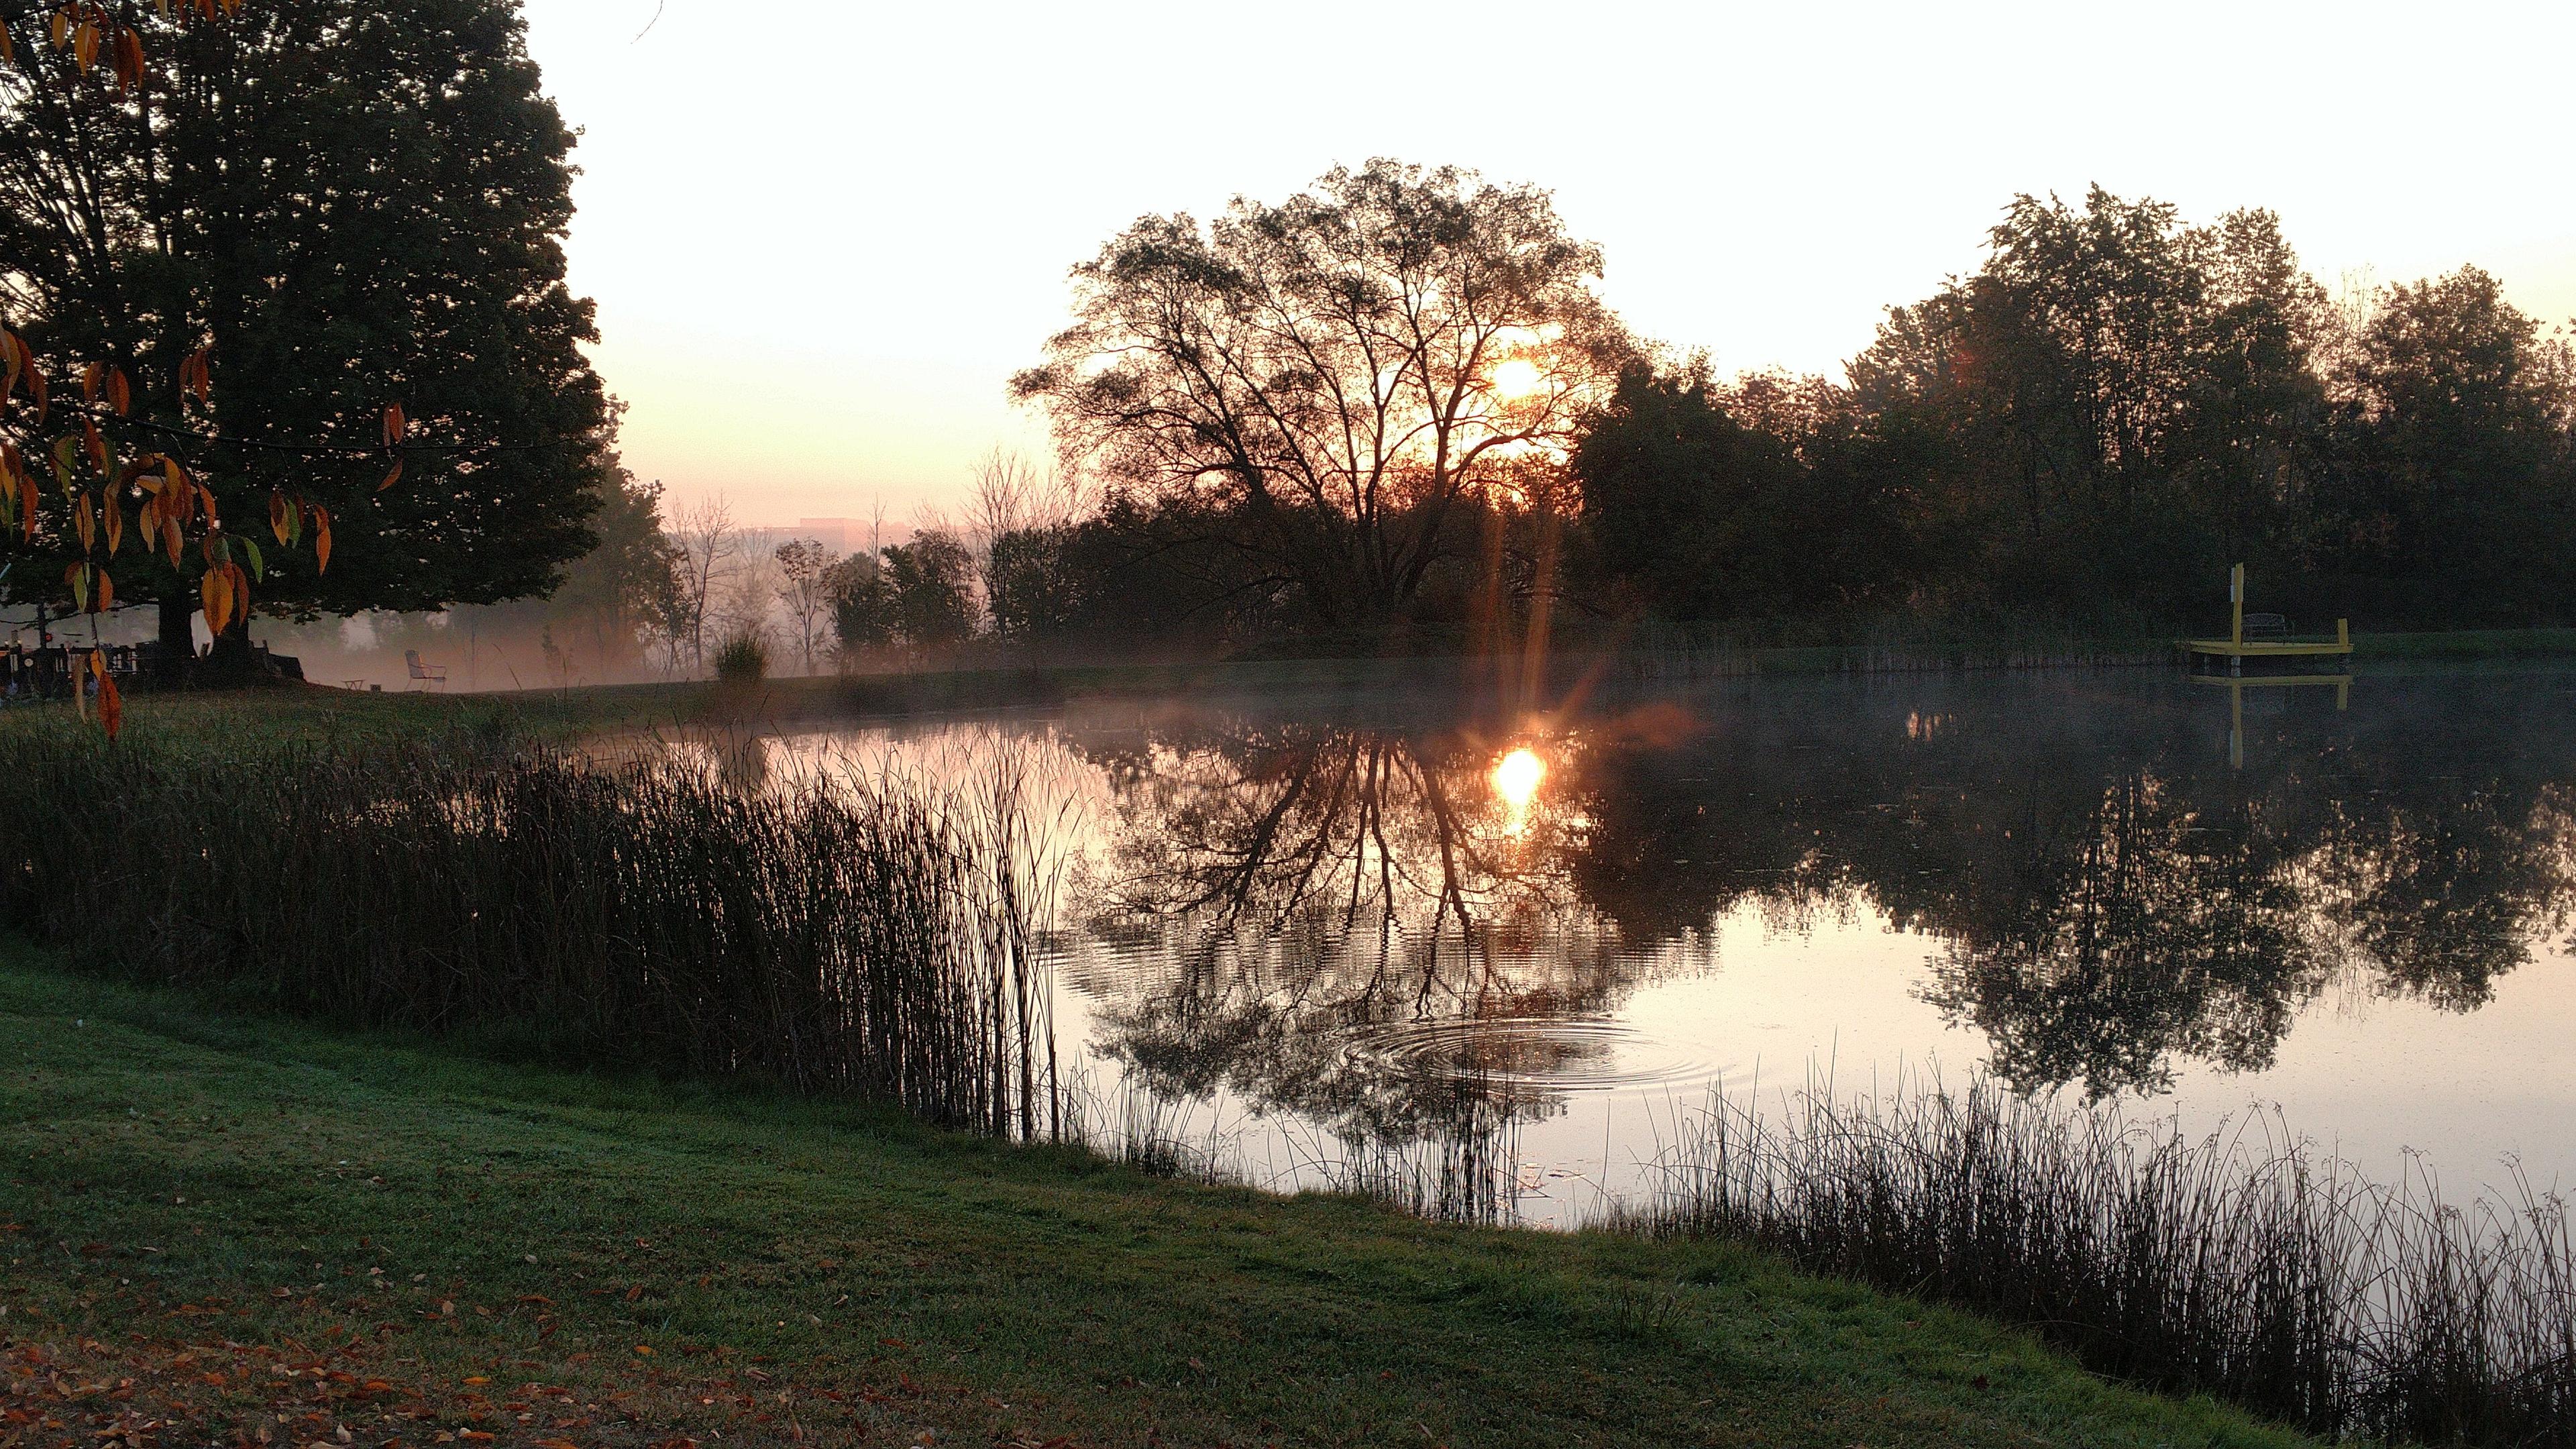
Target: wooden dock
x=2236, y=648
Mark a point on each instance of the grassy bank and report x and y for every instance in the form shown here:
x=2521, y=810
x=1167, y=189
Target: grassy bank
x=240, y=1225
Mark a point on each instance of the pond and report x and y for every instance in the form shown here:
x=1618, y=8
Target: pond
x=1503, y=955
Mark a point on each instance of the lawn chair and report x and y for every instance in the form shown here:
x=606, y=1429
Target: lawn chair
x=427, y=673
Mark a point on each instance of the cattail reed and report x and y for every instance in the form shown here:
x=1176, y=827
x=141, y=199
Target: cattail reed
x=2242, y=1265
x=857, y=934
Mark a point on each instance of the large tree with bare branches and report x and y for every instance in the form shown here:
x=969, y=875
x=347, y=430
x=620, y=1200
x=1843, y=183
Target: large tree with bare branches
x=1336, y=381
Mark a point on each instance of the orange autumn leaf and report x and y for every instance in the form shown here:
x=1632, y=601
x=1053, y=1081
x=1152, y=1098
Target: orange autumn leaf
x=195, y=377
x=322, y=549
x=111, y=706
x=391, y=478
x=215, y=591
x=129, y=58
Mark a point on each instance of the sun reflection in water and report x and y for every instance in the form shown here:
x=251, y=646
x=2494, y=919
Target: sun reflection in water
x=1516, y=780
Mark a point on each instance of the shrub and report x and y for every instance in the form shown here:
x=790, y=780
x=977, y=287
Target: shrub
x=742, y=659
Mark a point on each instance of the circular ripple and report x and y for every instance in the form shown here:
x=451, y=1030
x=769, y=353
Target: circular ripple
x=1543, y=1052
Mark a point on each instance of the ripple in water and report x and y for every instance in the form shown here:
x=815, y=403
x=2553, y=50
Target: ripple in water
x=1540, y=1052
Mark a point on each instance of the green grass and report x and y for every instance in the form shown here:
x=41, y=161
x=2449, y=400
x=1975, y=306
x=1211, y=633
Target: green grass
x=198, y=1206
x=2467, y=644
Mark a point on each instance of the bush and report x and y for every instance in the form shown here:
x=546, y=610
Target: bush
x=742, y=659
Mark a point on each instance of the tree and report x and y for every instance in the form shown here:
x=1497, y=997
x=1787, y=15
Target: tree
x=862, y=605
x=1341, y=376
x=708, y=546
x=625, y=585
x=1030, y=587
x=930, y=585
x=1003, y=499
x=2454, y=460
x=2112, y=408
x=327, y=205
x=804, y=587
x=748, y=597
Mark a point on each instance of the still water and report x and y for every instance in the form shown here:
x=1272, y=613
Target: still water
x=1402, y=933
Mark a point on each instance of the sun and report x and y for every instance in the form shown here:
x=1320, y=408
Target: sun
x=1516, y=780
x=1517, y=378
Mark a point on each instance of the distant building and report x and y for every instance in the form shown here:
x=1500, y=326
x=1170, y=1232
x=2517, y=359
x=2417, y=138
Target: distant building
x=846, y=535
x=840, y=535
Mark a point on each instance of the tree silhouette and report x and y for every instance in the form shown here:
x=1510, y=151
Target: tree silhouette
x=1340, y=376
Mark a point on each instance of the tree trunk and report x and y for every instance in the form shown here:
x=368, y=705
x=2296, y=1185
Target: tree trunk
x=230, y=658
x=178, y=640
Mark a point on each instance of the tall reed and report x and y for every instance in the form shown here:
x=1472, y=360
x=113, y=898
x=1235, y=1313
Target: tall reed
x=859, y=934
x=2244, y=1265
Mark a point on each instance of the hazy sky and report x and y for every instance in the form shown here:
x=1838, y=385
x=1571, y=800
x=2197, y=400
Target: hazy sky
x=822, y=235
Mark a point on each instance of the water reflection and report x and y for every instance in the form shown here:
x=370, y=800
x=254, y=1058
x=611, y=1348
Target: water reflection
x=1360, y=926
x=1378, y=927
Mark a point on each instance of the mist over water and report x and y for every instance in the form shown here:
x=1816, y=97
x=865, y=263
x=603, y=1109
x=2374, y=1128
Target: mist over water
x=1401, y=932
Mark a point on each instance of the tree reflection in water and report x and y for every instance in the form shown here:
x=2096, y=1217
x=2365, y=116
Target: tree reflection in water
x=1354, y=925
x=1348, y=924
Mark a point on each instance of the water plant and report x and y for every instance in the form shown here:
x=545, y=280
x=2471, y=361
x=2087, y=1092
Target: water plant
x=2244, y=1264
x=833, y=933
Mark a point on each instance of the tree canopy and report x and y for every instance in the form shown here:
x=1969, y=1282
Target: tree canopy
x=347, y=205
x=2092, y=426
x=1331, y=382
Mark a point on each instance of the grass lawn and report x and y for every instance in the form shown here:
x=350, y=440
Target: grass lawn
x=241, y=1230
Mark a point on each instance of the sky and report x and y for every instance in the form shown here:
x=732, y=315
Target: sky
x=822, y=235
